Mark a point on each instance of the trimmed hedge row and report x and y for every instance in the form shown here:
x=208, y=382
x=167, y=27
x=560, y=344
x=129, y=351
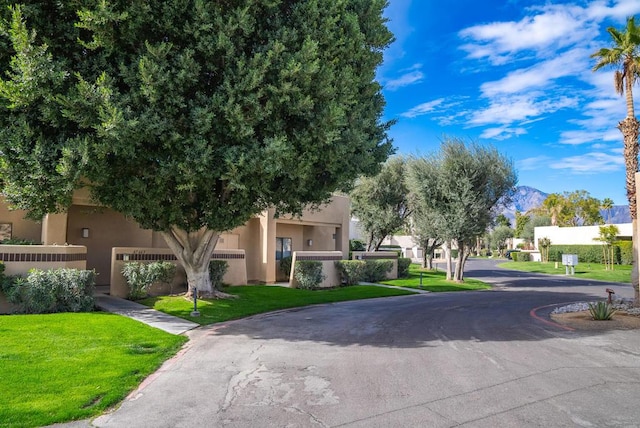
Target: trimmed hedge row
x=353, y=272
x=622, y=253
x=518, y=256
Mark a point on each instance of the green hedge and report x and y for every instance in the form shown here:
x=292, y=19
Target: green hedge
x=351, y=271
x=519, y=256
x=376, y=270
x=622, y=253
x=403, y=267
x=626, y=252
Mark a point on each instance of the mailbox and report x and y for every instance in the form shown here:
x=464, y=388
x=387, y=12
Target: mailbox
x=570, y=259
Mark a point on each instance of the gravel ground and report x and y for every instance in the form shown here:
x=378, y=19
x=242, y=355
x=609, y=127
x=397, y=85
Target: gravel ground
x=624, y=305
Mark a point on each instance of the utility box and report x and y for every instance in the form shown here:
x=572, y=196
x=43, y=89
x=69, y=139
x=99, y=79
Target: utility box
x=570, y=261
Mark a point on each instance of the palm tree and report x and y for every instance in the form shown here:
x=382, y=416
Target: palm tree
x=625, y=57
x=607, y=205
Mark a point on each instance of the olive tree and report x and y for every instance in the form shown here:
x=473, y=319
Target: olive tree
x=462, y=184
x=190, y=116
x=381, y=202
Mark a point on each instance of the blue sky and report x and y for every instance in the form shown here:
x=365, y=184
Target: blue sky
x=515, y=74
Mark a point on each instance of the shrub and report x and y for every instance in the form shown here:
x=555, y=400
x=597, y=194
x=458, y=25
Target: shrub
x=50, y=291
x=403, y=267
x=356, y=245
x=217, y=269
x=376, y=270
x=520, y=256
x=285, y=265
x=141, y=276
x=18, y=241
x=351, y=271
x=308, y=273
x=601, y=311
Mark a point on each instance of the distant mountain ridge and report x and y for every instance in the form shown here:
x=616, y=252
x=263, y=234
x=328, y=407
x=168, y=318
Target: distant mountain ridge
x=526, y=198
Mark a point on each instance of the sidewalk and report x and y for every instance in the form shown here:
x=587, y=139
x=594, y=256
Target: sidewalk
x=157, y=319
x=415, y=290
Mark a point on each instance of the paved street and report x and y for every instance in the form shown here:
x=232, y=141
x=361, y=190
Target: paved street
x=476, y=359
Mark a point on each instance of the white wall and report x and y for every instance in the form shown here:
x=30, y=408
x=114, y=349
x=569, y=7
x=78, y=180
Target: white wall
x=581, y=235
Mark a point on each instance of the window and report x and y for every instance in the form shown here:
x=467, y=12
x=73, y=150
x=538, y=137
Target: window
x=283, y=248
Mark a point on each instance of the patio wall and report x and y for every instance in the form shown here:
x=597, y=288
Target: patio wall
x=329, y=270
x=236, y=273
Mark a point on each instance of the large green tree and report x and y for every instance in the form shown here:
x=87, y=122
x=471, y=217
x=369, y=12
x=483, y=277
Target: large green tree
x=190, y=116
x=577, y=208
x=463, y=184
x=381, y=202
x=624, y=56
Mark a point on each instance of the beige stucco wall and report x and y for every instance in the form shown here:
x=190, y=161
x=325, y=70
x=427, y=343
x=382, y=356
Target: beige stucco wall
x=327, y=228
x=581, y=235
x=107, y=229
x=236, y=273
x=379, y=255
x=20, y=227
x=19, y=259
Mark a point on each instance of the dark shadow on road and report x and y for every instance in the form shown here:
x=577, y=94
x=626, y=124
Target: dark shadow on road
x=413, y=321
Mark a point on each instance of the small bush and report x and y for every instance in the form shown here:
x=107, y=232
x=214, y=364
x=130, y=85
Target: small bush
x=217, y=269
x=403, y=267
x=308, y=273
x=601, y=311
x=351, y=271
x=376, y=270
x=19, y=241
x=50, y=291
x=285, y=265
x=356, y=245
x=520, y=257
x=141, y=276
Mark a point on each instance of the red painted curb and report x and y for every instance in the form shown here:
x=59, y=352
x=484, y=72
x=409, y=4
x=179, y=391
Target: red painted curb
x=533, y=314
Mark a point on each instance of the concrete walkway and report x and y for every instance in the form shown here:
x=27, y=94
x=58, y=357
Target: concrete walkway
x=157, y=319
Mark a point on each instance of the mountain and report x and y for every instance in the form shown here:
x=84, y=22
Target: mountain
x=526, y=198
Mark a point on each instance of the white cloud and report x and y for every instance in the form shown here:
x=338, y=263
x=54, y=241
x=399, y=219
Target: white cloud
x=507, y=110
x=423, y=108
x=533, y=163
x=590, y=163
x=540, y=75
x=413, y=76
x=502, y=133
x=554, y=26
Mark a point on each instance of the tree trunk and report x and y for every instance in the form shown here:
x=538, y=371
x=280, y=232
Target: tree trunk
x=193, y=250
x=634, y=266
x=629, y=128
x=447, y=256
x=463, y=253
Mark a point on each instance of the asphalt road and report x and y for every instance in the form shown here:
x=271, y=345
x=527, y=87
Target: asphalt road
x=476, y=359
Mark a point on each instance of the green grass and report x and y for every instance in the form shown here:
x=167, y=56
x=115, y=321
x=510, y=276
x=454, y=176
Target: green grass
x=62, y=367
x=257, y=299
x=620, y=273
x=435, y=281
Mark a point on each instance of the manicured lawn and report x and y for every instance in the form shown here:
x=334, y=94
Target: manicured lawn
x=62, y=367
x=257, y=299
x=435, y=281
x=620, y=273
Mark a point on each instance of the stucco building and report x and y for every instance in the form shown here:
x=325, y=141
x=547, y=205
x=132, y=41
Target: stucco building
x=264, y=238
